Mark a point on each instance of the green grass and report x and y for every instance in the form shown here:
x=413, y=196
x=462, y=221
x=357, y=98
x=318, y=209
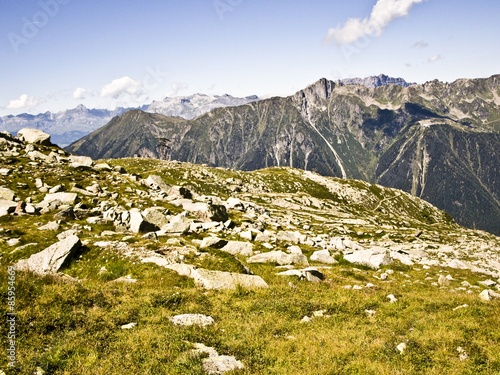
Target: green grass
x=75, y=327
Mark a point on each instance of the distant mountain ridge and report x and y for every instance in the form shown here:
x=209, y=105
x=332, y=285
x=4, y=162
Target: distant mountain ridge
x=192, y=106
x=375, y=81
x=438, y=141
x=64, y=127
x=68, y=126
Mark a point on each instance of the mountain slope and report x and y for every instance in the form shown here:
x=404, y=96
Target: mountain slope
x=438, y=141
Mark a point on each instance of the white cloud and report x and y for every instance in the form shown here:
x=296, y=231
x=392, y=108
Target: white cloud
x=420, y=44
x=80, y=93
x=435, y=58
x=383, y=13
x=24, y=101
x=121, y=86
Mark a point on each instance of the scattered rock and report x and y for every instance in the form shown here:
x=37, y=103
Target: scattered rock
x=238, y=248
x=218, y=279
x=323, y=256
x=374, y=257
x=401, y=348
x=443, y=281
x=309, y=274
x=139, y=225
x=52, y=225
x=34, y=136
x=129, y=326
x=280, y=258
x=192, y=319
x=215, y=363
x=52, y=259
x=392, y=299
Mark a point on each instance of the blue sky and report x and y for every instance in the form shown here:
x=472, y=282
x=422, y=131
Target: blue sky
x=56, y=54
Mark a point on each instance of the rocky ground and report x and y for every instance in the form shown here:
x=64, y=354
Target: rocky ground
x=65, y=216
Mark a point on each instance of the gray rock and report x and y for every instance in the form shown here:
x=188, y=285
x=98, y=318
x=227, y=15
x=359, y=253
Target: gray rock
x=443, y=281
x=310, y=274
x=217, y=279
x=103, y=167
x=227, y=280
x=287, y=236
x=7, y=194
x=156, y=216
x=323, y=256
x=157, y=183
x=215, y=363
x=179, y=224
x=64, y=198
x=7, y=207
x=50, y=226
x=81, y=162
x=139, y=225
x=34, y=136
x=238, y=248
x=280, y=258
x=487, y=295
x=187, y=320
x=374, y=257
x=214, y=242
x=52, y=259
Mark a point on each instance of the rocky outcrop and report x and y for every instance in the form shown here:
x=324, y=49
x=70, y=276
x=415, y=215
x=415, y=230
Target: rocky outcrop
x=52, y=259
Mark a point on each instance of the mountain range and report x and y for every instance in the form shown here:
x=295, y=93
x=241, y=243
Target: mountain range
x=438, y=141
x=68, y=126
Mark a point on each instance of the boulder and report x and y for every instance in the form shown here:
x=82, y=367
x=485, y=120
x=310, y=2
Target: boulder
x=211, y=213
x=226, y=280
x=487, y=295
x=214, y=242
x=139, y=225
x=217, y=279
x=238, y=248
x=280, y=258
x=52, y=259
x=215, y=363
x=187, y=320
x=7, y=194
x=157, y=183
x=156, y=216
x=64, y=198
x=323, y=256
x=287, y=236
x=34, y=136
x=103, y=167
x=310, y=274
x=82, y=162
x=7, y=207
x=179, y=225
x=374, y=257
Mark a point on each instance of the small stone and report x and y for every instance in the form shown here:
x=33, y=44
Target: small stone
x=371, y=313
x=384, y=276
x=129, y=326
x=401, y=348
x=192, y=319
x=443, y=281
x=13, y=241
x=392, y=299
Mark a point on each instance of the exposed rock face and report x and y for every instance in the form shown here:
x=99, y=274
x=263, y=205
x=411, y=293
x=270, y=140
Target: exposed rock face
x=34, y=136
x=52, y=259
